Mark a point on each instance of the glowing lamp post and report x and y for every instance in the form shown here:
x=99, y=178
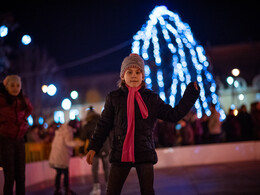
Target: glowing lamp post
x=235, y=72
x=26, y=39
x=50, y=89
x=66, y=104
x=74, y=95
x=3, y=31
x=233, y=83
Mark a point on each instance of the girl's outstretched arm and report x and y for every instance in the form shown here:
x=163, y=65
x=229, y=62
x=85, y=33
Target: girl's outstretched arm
x=167, y=113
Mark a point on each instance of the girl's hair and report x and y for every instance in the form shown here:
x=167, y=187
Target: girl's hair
x=10, y=99
x=121, y=83
x=74, y=124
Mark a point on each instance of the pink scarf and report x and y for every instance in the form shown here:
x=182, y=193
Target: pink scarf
x=128, y=147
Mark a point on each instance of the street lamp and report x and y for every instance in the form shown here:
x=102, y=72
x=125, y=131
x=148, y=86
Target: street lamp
x=44, y=88
x=230, y=80
x=26, y=39
x=233, y=83
x=49, y=89
x=3, y=31
x=74, y=94
x=235, y=72
x=66, y=104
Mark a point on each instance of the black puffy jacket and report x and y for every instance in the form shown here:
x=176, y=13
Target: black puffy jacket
x=114, y=118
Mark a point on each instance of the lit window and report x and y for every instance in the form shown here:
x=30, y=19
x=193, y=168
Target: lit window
x=59, y=117
x=30, y=120
x=73, y=114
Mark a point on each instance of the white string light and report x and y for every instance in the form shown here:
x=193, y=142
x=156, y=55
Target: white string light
x=165, y=31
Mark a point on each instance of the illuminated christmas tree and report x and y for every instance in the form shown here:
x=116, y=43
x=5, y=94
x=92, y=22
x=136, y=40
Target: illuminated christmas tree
x=173, y=59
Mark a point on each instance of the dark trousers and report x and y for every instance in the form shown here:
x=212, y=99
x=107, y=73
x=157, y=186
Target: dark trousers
x=95, y=167
x=13, y=161
x=118, y=175
x=65, y=172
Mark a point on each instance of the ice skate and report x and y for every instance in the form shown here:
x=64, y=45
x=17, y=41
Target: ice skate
x=57, y=192
x=96, y=189
x=68, y=191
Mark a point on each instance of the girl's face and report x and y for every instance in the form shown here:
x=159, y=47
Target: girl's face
x=133, y=77
x=13, y=87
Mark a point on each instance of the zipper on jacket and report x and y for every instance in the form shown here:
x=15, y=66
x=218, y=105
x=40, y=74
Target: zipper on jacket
x=16, y=117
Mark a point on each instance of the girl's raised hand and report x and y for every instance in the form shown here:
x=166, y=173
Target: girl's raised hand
x=196, y=86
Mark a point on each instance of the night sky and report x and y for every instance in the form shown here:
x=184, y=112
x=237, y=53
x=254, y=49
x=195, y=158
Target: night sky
x=73, y=31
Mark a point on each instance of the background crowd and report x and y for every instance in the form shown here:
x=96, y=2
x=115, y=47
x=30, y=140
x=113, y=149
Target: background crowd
x=241, y=126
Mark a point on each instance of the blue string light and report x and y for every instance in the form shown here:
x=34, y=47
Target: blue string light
x=164, y=34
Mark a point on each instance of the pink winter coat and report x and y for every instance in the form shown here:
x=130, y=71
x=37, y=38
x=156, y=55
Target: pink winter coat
x=62, y=147
x=13, y=118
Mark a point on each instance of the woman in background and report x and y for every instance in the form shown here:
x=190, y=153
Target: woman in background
x=14, y=111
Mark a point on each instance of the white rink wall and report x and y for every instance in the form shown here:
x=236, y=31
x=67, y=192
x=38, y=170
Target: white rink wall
x=167, y=157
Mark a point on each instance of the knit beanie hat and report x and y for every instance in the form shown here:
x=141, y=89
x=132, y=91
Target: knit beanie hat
x=133, y=60
x=11, y=78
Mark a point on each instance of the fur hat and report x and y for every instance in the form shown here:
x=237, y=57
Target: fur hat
x=133, y=60
x=11, y=78
x=91, y=111
x=91, y=114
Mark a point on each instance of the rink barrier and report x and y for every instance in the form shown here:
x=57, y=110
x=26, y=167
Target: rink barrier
x=37, y=151
x=39, y=171
x=40, y=151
